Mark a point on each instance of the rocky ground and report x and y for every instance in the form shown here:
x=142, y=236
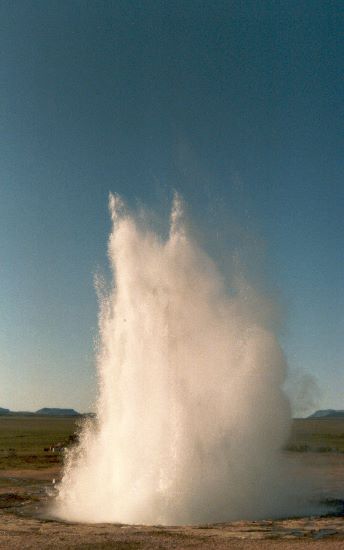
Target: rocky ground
x=24, y=524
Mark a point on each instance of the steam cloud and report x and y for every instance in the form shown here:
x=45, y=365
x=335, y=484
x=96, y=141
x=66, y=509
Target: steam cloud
x=191, y=415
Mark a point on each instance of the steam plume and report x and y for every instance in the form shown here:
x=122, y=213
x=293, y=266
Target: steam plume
x=191, y=416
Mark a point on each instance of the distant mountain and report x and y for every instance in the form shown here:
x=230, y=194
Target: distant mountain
x=4, y=411
x=327, y=413
x=57, y=412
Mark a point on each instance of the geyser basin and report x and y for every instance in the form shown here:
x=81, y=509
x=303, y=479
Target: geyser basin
x=191, y=415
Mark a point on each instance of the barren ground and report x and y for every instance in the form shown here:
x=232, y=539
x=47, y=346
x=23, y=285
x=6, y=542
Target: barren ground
x=23, y=523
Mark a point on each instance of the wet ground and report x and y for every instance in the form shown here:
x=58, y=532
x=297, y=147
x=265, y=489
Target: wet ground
x=24, y=522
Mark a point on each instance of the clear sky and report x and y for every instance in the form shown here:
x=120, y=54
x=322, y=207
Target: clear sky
x=236, y=104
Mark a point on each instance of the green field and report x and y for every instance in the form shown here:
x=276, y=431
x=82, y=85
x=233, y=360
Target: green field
x=24, y=440
x=317, y=435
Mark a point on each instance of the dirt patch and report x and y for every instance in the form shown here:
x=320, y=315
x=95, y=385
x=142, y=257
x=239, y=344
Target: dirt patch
x=24, y=525
x=10, y=500
x=316, y=533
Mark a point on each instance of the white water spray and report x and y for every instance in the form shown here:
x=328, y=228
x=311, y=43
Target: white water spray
x=191, y=416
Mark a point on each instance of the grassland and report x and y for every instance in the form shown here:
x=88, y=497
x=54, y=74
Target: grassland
x=23, y=440
x=317, y=435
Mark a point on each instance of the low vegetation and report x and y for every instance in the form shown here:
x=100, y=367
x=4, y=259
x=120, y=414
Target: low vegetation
x=28, y=442
x=35, y=441
x=320, y=435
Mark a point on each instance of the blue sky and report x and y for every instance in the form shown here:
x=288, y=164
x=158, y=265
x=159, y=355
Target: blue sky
x=238, y=105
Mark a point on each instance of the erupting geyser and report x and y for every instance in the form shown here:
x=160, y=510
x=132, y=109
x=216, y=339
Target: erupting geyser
x=190, y=416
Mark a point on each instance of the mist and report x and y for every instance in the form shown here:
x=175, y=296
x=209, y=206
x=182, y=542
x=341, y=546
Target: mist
x=191, y=415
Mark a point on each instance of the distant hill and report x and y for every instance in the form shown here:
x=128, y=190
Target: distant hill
x=57, y=412
x=327, y=413
x=46, y=411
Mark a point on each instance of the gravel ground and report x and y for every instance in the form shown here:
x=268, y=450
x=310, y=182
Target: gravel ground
x=23, y=525
x=28, y=532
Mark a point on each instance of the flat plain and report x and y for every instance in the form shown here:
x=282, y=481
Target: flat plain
x=27, y=441
x=321, y=435
x=31, y=457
